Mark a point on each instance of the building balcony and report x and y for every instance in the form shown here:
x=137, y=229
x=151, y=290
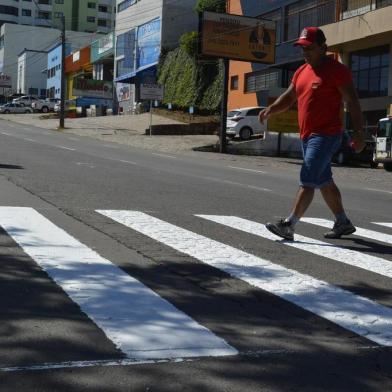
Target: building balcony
x=360, y=20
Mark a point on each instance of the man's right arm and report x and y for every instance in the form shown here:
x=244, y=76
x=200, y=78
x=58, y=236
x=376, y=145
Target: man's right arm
x=283, y=103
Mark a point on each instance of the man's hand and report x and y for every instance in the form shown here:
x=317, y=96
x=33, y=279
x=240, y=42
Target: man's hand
x=358, y=141
x=264, y=114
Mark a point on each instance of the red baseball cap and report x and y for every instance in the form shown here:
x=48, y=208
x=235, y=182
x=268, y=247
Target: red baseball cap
x=310, y=35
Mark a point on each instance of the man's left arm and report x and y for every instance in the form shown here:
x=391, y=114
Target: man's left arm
x=350, y=96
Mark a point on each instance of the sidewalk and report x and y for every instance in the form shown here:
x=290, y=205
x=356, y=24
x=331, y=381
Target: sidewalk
x=126, y=130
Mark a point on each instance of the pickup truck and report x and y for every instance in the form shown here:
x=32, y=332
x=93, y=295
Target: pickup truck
x=44, y=105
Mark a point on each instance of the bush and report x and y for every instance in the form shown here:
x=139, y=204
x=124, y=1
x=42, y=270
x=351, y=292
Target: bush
x=211, y=5
x=189, y=43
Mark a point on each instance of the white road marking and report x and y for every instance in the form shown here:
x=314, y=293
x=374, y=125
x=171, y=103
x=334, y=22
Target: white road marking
x=85, y=164
x=149, y=328
x=373, y=235
x=353, y=312
x=130, y=162
x=5, y=133
x=346, y=256
x=259, y=188
x=377, y=190
x=163, y=155
x=110, y=146
x=250, y=170
x=386, y=224
x=65, y=148
x=29, y=140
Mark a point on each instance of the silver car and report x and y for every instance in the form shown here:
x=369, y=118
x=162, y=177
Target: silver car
x=15, y=108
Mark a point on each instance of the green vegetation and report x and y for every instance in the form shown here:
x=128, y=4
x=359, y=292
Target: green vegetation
x=211, y=5
x=187, y=80
x=190, y=83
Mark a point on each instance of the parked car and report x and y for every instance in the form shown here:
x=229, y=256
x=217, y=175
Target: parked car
x=15, y=108
x=244, y=123
x=25, y=100
x=44, y=105
x=347, y=155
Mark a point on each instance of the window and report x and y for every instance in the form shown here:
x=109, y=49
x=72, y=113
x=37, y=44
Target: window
x=102, y=22
x=91, y=5
x=253, y=112
x=59, y=1
x=263, y=80
x=307, y=13
x=26, y=12
x=370, y=68
x=91, y=19
x=234, y=82
x=103, y=8
x=7, y=10
x=125, y=4
x=58, y=14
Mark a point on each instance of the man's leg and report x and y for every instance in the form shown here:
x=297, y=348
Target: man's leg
x=302, y=201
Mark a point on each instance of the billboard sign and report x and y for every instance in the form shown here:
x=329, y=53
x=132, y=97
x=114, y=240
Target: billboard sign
x=123, y=92
x=92, y=88
x=149, y=43
x=106, y=43
x=151, y=92
x=5, y=81
x=238, y=37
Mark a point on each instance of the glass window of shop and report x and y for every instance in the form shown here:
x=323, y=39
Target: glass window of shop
x=370, y=68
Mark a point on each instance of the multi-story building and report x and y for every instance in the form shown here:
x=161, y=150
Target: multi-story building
x=143, y=28
x=80, y=15
x=16, y=38
x=359, y=33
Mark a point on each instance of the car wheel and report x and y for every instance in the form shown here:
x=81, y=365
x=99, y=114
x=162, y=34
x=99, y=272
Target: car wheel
x=6, y=111
x=245, y=133
x=388, y=166
x=27, y=111
x=374, y=164
x=341, y=158
x=45, y=109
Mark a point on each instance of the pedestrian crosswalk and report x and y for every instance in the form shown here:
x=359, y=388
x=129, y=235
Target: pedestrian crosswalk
x=145, y=326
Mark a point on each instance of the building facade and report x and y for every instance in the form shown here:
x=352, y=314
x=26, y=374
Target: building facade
x=80, y=15
x=143, y=28
x=359, y=33
x=32, y=72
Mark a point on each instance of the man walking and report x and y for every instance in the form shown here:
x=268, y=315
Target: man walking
x=319, y=85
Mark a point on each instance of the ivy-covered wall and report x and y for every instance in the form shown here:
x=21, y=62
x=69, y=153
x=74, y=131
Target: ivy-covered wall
x=188, y=82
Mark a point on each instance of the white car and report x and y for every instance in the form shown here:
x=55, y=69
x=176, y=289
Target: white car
x=244, y=123
x=44, y=105
x=15, y=108
x=25, y=100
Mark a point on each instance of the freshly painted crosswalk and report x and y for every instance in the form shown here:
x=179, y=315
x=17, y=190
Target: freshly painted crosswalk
x=353, y=312
x=365, y=233
x=140, y=323
x=367, y=262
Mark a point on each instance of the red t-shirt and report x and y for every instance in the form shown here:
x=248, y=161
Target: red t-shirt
x=319, y=100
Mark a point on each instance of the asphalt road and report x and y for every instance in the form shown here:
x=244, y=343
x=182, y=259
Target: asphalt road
x=129, y=270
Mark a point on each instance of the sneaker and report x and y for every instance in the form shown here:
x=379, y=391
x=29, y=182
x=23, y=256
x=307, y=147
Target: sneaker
x=282, y=229
x=340, y=229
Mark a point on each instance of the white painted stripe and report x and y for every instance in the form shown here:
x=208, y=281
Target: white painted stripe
x=320, y=248
x=66, y=148
x=29, y=140
x=130, y=162
x=350, y=311
x=257, y=188
x=5, y=133
x=373, y=235
x=250, y=170
x=163, y=155
x=377, y=190
x=386, y=224
x=137, y=320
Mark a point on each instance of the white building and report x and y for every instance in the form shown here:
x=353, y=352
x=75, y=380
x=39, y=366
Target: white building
x=32, y=72
x=14, y=39
x=143, y=28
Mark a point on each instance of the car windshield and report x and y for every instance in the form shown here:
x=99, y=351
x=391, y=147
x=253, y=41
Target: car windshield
x=233, y=113
x=385, y=129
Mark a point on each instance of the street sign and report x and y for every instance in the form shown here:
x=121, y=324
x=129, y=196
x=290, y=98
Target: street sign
x=151, y=92
x=236, y=37
x=5, y=81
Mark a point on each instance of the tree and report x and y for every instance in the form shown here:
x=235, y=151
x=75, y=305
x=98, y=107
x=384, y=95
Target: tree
x=211, y=5
x=189, y=43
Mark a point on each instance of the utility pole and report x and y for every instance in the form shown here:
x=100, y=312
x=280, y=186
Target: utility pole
x=62, y=103
x=222, y=132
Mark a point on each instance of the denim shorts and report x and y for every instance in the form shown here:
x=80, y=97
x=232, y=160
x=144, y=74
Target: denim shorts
x=318, y=151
